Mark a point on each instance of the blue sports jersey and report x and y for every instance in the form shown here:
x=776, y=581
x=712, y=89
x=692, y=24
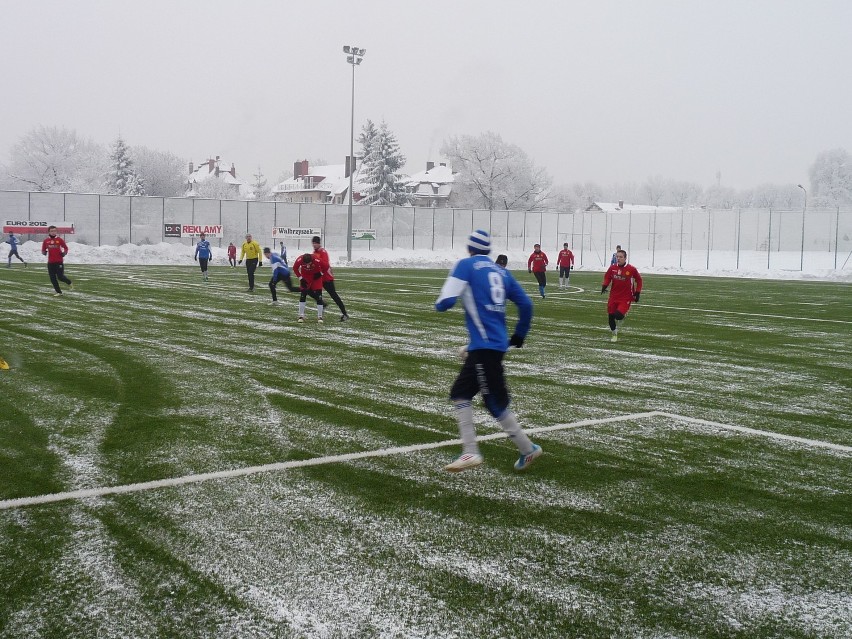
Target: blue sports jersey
x=13, y=242
x=484, y=288
x=203, y=250
x=278, y=265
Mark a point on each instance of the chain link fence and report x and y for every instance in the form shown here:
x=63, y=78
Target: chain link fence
x=736, y=240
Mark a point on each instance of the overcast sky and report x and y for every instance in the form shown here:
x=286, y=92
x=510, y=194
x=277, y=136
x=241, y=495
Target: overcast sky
x=595, y=90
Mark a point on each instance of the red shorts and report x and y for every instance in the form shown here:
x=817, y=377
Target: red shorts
x=618, y=306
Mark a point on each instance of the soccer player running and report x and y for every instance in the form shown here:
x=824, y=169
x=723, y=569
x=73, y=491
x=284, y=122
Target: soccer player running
x=321, y=255
x=280, y=273
x=484, y=287
x=626, y=286
x=56, y=249
x=13, y=242
x=251, y=253
x=537, y=265
x=564, y=264
x=232, y=255
x=203, y=253
x=309, y=272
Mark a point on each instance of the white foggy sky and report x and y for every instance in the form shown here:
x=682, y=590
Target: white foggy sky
x=605, y=91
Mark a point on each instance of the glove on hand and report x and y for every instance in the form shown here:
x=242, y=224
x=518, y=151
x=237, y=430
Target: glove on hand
x=603, y=290
x=636, y=296
x=303, y=282
x=240, y=262
x=516, y=340
x=317, y=275
x=195, y=258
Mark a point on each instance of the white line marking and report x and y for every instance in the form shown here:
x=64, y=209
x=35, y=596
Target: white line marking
x=383, y=452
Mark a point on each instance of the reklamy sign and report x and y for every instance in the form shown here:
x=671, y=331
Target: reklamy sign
x=36, y=227
x=189, y=230
x=294, y=233
x=363, y=234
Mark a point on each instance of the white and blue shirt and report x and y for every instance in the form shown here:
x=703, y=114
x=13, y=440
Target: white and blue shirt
x=484, y=288
x=203, y=250
x=278, y=265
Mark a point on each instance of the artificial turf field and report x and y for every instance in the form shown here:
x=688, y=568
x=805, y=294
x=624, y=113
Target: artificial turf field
x=696, y=481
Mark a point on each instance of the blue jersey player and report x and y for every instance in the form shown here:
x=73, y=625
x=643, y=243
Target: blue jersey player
x=203, y=253
x=483, y=288
x=280, y=273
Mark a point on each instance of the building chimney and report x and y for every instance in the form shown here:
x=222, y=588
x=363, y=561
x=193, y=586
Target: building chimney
x=233, y=170
x=621, y=204
x=351, y=165
x=430, y=166
x=211, y=163
x=191, y=168
x=299, y=169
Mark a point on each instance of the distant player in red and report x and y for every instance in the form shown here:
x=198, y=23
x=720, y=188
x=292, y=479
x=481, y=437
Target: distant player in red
x=626, y=286
x=564, y=264
x=309, y=271
x=56, y=249
x=232, y=255
x=321, y=255
x=537, y=265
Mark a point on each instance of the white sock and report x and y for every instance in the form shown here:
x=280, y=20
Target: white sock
x=320, y=309
x=301, y=309
x=509, y=423
x=464, y=416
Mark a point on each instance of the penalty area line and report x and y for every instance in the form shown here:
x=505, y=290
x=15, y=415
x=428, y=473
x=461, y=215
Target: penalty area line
x=387, y=452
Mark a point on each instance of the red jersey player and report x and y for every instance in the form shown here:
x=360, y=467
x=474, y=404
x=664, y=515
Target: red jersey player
x=56, y=249
x=328, y=277
x=564, y=264
x=310, y=272
x=626, y=286
x=537, y=265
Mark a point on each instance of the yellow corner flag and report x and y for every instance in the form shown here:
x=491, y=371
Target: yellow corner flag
x=3, y=365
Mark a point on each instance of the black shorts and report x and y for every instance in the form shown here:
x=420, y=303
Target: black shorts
x=483, y=373
x=564, y=271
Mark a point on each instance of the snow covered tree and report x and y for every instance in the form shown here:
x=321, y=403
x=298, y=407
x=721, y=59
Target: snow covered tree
x=122, y=178
x=365, y=139
x=831, y=178
x=260, y=187
x=163, y=174
x=380, y=170
x=493, y=174
x=57, y=159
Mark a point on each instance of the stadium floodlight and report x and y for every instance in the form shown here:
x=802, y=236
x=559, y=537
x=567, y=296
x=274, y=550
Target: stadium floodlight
x=354, y=57
x=804, y=209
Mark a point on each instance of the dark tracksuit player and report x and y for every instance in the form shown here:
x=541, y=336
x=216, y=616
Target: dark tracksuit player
x=56, y=249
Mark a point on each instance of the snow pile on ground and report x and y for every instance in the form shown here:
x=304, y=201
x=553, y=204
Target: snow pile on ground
x=182, y=254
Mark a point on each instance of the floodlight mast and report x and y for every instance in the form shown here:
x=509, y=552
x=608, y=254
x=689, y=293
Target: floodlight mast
x=354, y=56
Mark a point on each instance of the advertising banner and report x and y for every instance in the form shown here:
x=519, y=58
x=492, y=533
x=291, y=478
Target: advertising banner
x=36, y=227
x=191, y=230
x=363, y=234
x=294, y=233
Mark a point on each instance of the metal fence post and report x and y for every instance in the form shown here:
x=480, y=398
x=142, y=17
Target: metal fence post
x=709, y=235
x=836, y=236
x=769, y=241
x=739, y=232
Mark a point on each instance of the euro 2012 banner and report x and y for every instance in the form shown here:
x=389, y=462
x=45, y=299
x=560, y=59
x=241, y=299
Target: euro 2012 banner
x=192, y=230
x=36, y=227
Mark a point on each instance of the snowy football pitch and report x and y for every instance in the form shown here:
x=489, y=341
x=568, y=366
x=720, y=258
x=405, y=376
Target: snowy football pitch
x=184, y=460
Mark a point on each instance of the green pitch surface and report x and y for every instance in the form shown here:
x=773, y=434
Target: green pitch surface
x=285, y=480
